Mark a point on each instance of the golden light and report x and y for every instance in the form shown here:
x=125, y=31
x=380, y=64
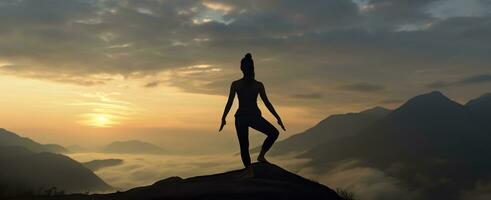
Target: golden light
x=101, y=119
x=104, y=109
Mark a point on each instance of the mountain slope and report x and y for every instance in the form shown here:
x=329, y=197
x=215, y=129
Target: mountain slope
x=132, y=146
x=22, y=169
x=422, y=142
x=480, y=104
x=271, y=182
x=333, y=127
x=8, y=138
x=481, y=110
x=55, y=148
x=95, y=165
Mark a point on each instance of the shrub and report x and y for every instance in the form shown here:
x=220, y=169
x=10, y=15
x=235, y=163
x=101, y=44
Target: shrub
x=345, y=194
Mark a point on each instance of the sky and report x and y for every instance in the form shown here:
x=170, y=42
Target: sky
x=89, y=72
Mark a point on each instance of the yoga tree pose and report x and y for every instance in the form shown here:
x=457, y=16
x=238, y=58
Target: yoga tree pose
x=249, y=115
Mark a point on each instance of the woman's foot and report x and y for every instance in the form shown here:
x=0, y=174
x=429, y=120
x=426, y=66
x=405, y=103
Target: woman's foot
x=262, y=159
x=248, y=173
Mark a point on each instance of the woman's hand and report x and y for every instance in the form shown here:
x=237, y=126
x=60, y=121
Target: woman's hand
x=281, y=124
x=222, y=125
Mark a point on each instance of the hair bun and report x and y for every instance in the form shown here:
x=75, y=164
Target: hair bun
x=247, y=63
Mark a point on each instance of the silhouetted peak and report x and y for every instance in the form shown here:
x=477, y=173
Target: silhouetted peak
x=429, y=105
x=435, y=98
x=431, y=95
x=132, y=146
x=376, y=110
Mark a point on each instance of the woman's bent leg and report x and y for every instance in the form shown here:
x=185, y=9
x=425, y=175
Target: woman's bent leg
x=271, y=132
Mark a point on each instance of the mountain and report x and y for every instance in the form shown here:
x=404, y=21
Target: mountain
x=333, y=127
x=480, y=104
x=8, y=138
x=23, y=170
x=55, y=148
x=95, y=165
x=430, y=142
x=481, y=109
x=270, y=182
x=132, y=146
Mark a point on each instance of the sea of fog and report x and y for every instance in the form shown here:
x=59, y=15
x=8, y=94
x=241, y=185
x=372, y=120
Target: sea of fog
x=142, y=169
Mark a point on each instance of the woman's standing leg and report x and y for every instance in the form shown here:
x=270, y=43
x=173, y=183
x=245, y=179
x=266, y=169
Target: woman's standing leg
x=262, y=125
x=242, y=128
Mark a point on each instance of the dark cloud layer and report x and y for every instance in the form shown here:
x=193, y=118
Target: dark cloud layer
x=477, y=79
x=297, y=46
x=308, y=96
x=363, y=87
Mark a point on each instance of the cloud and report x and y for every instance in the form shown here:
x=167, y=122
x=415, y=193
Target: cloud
x=390, y=14
x=482, y=78
x=308, y=96
x=152, y=84
x=471, y=80
x=139, y=169
x=105, y=109
x=365, y=182
x=363, y=87
x=297, y=46
x=438, y=84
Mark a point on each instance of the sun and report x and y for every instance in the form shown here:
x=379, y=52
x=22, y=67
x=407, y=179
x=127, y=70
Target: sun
x=101, y=120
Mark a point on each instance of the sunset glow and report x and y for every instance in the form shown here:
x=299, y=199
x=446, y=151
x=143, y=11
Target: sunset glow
x=382, y=98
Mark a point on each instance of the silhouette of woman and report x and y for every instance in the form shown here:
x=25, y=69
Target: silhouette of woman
x=249, y=115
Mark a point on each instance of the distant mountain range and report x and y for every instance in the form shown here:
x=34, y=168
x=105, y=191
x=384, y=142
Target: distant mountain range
x=8, y=138
x=270, y=182
x=132, y=147
x=95, y=165
x=23, y=171
x=435, y=145
x=333, y=127
x=29, y=167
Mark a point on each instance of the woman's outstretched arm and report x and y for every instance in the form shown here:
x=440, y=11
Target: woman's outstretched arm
x=267, y=103
x=230, y=101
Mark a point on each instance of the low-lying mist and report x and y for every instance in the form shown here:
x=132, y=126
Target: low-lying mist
x=141, y=169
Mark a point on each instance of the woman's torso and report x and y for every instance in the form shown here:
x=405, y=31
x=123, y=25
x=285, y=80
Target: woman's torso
x=247, y=92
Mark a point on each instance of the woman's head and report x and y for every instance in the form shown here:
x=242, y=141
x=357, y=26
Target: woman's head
x=247, y=66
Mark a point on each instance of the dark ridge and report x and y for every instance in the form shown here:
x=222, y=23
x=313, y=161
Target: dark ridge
x=270, y=182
